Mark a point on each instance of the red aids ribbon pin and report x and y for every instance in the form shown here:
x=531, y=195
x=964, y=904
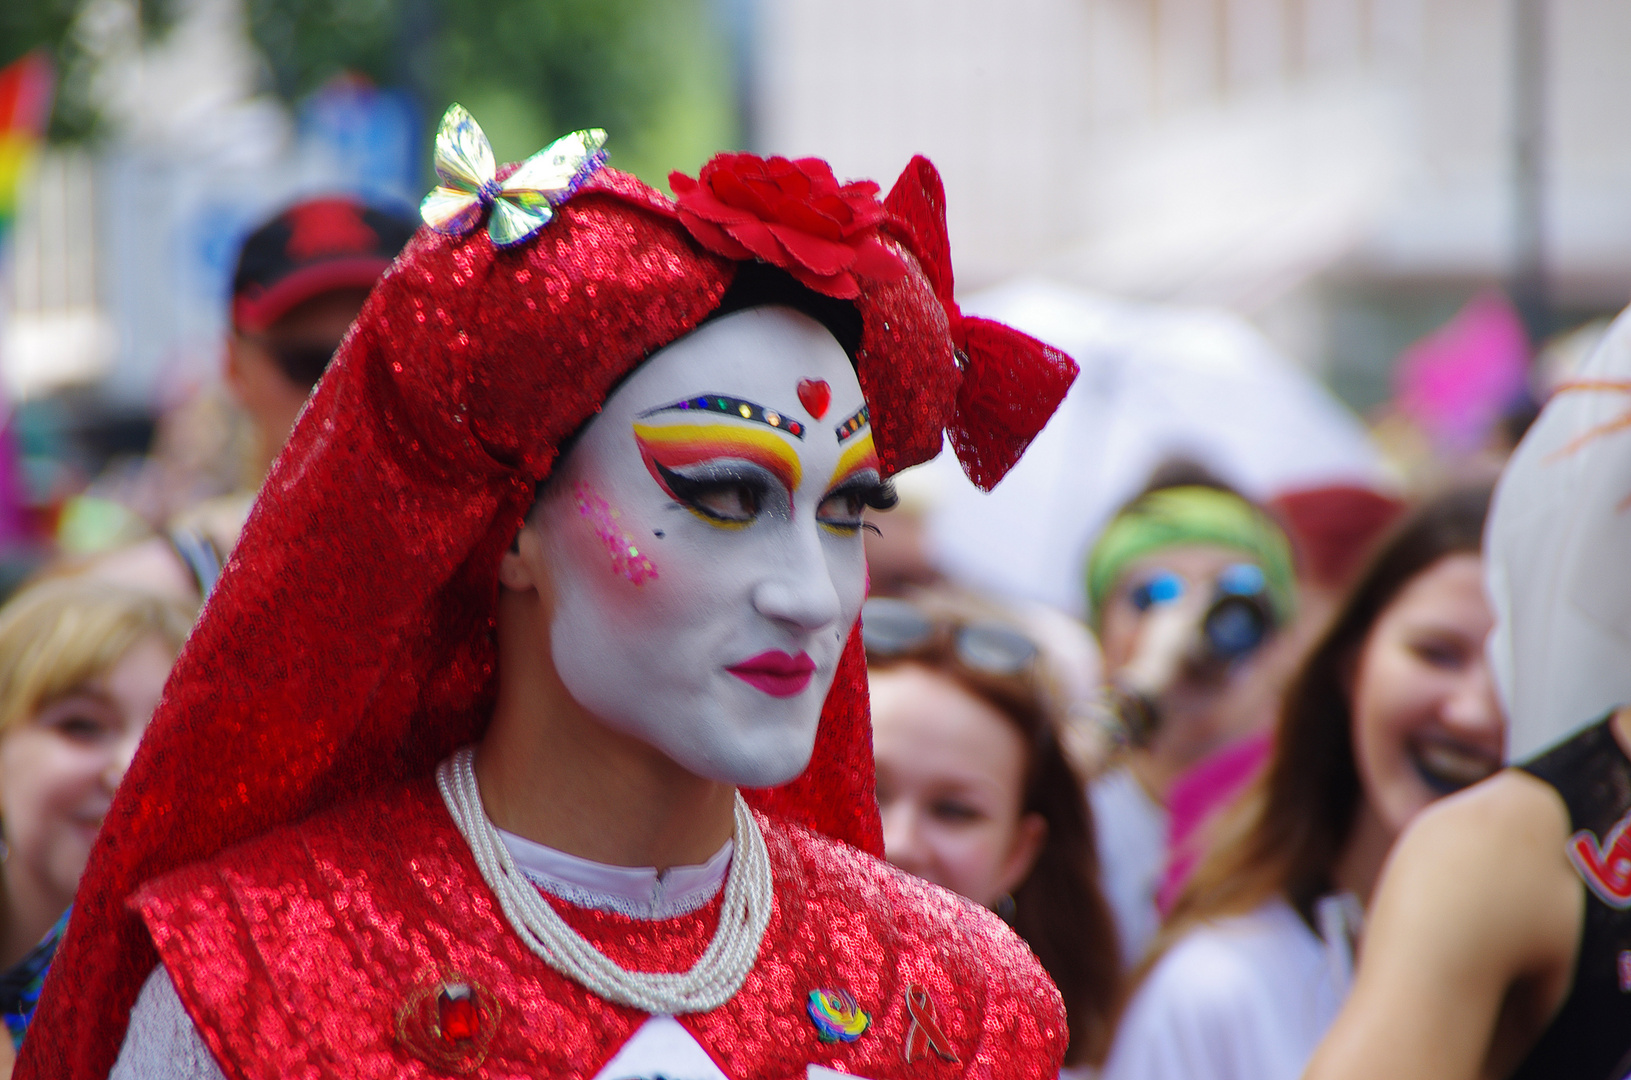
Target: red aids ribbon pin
x=925, y=1034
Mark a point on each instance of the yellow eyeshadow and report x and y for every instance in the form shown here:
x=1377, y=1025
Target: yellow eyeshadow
x=700, y=442
x=853, y=456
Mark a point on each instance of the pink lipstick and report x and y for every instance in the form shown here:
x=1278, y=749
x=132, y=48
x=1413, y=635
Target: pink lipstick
x=775, y=672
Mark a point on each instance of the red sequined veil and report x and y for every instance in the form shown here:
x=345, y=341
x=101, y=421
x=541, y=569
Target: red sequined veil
x=350, y=642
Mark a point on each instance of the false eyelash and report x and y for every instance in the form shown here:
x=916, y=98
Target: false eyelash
x=690, y=490
x=883, y=496
x=877, y=494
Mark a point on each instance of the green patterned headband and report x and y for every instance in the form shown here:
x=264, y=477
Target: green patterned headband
x=1183, y=516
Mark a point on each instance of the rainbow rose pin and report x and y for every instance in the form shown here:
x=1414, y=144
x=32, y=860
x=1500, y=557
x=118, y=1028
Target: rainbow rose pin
x=836, y=1016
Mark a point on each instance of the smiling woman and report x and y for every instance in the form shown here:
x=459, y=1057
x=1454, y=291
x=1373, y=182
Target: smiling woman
x=977, y=795
x=1393, y=708
x=81, y=668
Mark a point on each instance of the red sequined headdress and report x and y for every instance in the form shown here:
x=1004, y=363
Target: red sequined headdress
x=350, y=640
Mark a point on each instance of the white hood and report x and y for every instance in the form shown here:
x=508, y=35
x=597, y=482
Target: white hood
x=1558, y=558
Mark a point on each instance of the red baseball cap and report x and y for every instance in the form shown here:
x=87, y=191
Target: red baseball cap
x=313, y=247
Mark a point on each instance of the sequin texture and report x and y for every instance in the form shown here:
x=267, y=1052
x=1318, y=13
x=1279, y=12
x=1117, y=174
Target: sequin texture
x=297, y=950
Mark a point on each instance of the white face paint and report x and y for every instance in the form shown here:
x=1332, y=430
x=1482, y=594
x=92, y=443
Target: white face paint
x=704, y=543
x=1557, y=549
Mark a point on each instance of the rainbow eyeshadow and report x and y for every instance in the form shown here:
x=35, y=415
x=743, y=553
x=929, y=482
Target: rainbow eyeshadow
x=678, y=445
x=857, y=420
x=725, y=405
x=861, y=454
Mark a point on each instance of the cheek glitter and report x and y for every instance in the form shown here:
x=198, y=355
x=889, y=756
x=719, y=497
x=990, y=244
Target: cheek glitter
x=626, y=558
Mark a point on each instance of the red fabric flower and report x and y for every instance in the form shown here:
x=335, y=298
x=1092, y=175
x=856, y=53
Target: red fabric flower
x=791, y=214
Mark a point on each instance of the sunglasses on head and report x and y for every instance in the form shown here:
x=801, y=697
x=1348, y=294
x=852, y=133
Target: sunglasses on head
x=894, y=629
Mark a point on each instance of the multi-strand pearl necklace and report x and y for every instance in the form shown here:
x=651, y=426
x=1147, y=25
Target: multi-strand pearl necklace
x=714, y=979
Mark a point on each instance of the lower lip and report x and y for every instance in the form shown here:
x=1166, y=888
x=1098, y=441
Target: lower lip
x=776, y=673
x=1437, y=783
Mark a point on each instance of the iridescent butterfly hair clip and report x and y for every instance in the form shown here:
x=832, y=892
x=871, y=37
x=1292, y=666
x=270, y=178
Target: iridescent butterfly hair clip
x=521, y=203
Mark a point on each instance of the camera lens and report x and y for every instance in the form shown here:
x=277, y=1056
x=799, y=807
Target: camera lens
x=1235, y=626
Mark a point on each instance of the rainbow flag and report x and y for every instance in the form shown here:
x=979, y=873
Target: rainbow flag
x=25, y=106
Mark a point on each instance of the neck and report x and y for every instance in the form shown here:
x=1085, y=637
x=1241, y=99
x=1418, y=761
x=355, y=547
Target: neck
x=1622, y=728
x=554, y=774
x=1360, y=864
x=1191, y=730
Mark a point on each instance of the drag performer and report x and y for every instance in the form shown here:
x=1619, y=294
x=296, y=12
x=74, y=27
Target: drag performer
x=1500, y=941
x=526, y=731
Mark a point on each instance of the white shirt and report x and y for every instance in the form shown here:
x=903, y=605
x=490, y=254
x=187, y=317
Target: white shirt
x=639, y=892
x=1130, y=830
x=1246, y=998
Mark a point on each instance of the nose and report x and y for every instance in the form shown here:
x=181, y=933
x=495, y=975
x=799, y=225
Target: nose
x=800, y=591
x=1473, y=710
x=120, y=755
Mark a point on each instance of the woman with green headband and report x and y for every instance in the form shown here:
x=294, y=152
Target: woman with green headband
x=1188, y=584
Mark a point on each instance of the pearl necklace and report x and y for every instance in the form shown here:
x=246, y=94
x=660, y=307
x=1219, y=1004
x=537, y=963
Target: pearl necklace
x=715, y=978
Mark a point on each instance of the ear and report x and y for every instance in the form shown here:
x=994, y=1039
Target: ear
x=521, y=568
x=1028, y=841
x=232, y=366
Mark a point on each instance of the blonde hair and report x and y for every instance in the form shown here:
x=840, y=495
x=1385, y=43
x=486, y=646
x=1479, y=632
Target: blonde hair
x=57, y=635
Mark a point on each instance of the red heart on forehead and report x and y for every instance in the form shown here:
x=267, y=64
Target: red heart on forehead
x=815, y=395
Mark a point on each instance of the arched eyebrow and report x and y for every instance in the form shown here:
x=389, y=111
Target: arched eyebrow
x=857, y=420
x=725, y=405
x=859, y=455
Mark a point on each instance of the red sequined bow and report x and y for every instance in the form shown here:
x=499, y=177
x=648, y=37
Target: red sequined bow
x=1011, y=382
x=925, y=1034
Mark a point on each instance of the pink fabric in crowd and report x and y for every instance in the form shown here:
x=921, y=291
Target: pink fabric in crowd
x=1457, y=381
x=1196, y=798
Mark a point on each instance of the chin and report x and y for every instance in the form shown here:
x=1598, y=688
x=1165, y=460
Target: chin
x=759, y=764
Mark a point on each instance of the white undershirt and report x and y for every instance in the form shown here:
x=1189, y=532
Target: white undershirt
x=1244, y=998
x=640, y=892
x=162, y=1043
x=1130, y=829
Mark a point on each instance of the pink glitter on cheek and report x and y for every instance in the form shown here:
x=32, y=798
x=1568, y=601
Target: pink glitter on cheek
x=626, y=558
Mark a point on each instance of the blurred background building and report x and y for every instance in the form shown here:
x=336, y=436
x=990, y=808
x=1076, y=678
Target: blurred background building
x=1347, y=173
x=1333, y=179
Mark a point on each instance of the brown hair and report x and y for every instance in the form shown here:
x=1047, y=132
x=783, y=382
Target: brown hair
x=1058, y=909
x=1285, y=835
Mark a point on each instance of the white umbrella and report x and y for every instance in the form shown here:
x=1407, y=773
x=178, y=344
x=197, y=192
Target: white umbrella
x=1156, y=382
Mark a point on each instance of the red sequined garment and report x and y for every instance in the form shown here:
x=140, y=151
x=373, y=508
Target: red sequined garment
x=321, y=950
x=350, y=641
